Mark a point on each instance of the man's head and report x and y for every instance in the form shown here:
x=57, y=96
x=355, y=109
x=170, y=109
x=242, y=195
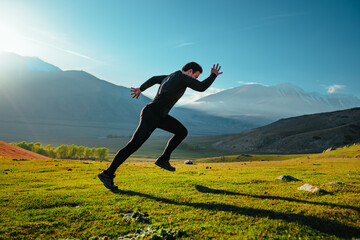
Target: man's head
x=192, y=69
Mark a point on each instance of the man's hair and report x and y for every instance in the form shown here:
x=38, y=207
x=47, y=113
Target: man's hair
x=194, y=66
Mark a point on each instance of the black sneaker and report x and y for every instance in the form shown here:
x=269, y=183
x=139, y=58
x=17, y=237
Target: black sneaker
x=107, y=180
x=164, y=164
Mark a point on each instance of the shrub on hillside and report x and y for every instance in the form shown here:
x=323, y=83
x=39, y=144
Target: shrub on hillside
x=65, y=151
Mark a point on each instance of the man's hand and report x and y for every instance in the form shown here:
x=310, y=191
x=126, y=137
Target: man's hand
x=216, y=70
x=135, y=92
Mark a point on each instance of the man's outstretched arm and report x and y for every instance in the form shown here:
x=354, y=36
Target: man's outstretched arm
x=202, y=86
x=149, y=83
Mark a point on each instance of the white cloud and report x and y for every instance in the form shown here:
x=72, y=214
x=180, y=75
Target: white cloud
x=250, y=83
x=63, y=50
x=82, y=55
x=334, y=88
x=246, y=83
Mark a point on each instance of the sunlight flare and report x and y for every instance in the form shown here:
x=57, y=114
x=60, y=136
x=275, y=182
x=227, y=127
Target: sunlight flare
x=12, y=41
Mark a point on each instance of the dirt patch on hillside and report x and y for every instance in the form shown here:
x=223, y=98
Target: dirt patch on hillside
x=10, y=151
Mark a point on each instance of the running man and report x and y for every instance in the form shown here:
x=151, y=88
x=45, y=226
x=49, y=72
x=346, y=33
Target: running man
x=156, y=115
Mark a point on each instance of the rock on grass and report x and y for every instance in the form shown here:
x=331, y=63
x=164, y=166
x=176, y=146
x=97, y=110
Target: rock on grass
x=287, y=178
x=335, y=183
x=310, y=188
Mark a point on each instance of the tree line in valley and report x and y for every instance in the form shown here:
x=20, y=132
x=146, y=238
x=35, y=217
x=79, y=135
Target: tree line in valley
x=65, y=151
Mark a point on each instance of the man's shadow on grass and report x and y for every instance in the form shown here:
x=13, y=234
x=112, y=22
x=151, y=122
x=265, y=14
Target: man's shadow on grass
x=323, y=225
x=203, y=189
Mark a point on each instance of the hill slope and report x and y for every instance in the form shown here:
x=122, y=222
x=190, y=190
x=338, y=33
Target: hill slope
x=10, y=151
x=304, y=134
x=14, y=62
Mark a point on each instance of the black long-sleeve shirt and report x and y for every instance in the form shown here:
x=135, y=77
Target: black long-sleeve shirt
x=172, y=88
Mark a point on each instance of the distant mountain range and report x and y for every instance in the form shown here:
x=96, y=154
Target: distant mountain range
x=311, y=133
x=270, y=103
x=40, y=102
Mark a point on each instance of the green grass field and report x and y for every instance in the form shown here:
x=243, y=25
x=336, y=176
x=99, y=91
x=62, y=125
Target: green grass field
x=63, y=199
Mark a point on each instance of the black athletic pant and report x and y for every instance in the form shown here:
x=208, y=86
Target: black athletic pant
x=149, y=121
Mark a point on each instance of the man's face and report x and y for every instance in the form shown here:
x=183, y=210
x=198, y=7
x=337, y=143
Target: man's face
x=196, y=74
x=191, y=74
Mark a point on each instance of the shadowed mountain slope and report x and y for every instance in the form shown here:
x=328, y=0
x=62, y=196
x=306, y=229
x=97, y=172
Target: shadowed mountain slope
x=304, y=134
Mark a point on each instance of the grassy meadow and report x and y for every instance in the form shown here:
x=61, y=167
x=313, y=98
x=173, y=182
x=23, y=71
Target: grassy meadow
x=63, y=199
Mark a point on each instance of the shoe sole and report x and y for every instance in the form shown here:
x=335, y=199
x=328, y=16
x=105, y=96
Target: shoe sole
x=106, y=185
x=163, y=167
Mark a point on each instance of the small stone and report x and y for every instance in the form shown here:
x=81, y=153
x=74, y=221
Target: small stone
x=328, y=150
x=245, y=155
x=188, y=162
x=310, y=188
x=287, y=178
x=335, y=183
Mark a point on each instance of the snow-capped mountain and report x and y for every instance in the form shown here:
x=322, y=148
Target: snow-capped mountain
x=271, y=102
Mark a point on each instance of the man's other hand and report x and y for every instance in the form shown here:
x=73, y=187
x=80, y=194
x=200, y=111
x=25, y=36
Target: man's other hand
x=135, y=92
x=216, y=69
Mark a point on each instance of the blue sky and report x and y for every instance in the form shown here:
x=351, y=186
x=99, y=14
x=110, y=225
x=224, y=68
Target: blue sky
x=314, y=44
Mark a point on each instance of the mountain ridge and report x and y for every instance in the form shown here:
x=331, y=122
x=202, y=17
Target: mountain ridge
x=16, y=62
x=271, y=102
x=311, y=133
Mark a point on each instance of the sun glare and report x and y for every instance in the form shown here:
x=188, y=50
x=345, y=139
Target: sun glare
x=12, y=41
